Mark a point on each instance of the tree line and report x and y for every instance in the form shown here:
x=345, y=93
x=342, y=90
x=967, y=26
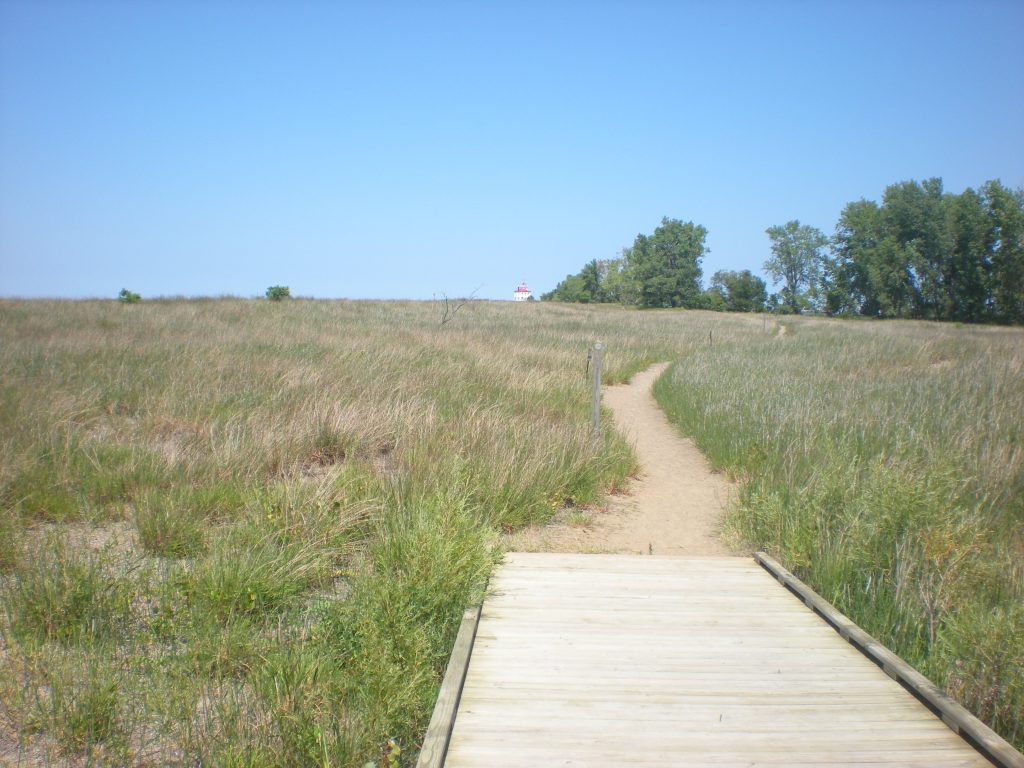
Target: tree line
x=663, y=269
x=920, y=253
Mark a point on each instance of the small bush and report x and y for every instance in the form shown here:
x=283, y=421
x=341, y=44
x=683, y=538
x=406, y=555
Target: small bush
x=979, y=656
x=298, y=687
x=278, y=293
x=127, y=297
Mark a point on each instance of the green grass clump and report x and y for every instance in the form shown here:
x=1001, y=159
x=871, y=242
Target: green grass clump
x=427, y=563
x=882, y=463
x=167, y=527
x=56, y=593
x=84, y=708
x=234, y=582
x=11, y=530
x=37, y=493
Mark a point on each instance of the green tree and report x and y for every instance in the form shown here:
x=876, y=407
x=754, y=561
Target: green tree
x=618, y=283
x=278, y=292
x=572, y=289
x=870, y=272
x=666, y=264
x=1005, y=210
x=586, y=287
x=713, y=299
x=968, y=267
x=738, y=291
x=914, y=216
x=797, y=263
x=927, y=253
x=127, y=297
x=591, y=276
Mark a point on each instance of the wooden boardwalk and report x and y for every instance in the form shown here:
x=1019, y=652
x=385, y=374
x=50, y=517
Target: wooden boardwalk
x=608, y=660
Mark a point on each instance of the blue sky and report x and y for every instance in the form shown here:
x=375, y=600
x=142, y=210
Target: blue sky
x=403, y=150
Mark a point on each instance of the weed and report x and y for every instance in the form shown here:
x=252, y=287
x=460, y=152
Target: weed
x=75, y=697
x=84, y=703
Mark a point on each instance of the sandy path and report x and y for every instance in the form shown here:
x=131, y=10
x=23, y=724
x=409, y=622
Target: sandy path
x=673, y=508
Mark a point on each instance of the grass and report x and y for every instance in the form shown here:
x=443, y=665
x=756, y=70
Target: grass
x=306, y=496
x=66, y=596
x=883, y=463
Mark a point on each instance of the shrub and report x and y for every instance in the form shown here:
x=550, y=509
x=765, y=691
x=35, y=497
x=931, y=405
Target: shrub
x=278, y=292
x=127, y=297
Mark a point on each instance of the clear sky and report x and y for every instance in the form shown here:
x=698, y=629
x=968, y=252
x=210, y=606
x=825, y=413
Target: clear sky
x=402, y=150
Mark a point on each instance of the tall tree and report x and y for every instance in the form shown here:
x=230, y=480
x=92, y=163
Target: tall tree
x=591, y=275
x=666, y=265
x=740, y=291
x=572, y=289
x=914, y=214
x=617, y=280
x=968, y=266
x=856, y=240
x=870, y=271
x=797, y=263
x=1005, y=209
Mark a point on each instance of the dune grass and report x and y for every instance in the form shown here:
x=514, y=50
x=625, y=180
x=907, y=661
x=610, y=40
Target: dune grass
x=243, y=532
x=883, y=463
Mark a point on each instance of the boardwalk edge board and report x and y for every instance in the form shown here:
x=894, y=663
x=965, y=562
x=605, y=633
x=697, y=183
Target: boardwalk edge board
x=989, y=743
x=442, y=721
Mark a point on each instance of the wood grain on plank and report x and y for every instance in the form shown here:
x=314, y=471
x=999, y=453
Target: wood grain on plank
x=617, y=660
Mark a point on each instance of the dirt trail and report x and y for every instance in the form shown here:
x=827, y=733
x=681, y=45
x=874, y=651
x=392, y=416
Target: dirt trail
x=673, y=508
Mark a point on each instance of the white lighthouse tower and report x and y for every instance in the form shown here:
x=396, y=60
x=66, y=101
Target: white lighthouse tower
x=522, y=293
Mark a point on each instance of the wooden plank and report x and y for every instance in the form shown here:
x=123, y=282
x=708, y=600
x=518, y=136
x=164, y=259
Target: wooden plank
x=962, y=722
x=612, y=660
x=439, y=731
x=654, y=756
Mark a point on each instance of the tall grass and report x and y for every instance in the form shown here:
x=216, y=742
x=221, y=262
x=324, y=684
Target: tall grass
x=884, y=464
x=315, y=490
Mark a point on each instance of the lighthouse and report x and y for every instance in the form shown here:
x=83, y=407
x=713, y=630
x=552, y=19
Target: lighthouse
x=522, y=293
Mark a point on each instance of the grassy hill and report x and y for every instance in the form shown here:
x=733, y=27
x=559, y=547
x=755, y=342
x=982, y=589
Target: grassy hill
x=243, y=533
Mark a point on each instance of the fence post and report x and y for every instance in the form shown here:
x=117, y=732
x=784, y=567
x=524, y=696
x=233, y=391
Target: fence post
x=595, y=392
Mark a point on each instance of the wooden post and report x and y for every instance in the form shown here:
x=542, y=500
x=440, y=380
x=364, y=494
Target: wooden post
x=595, y=392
